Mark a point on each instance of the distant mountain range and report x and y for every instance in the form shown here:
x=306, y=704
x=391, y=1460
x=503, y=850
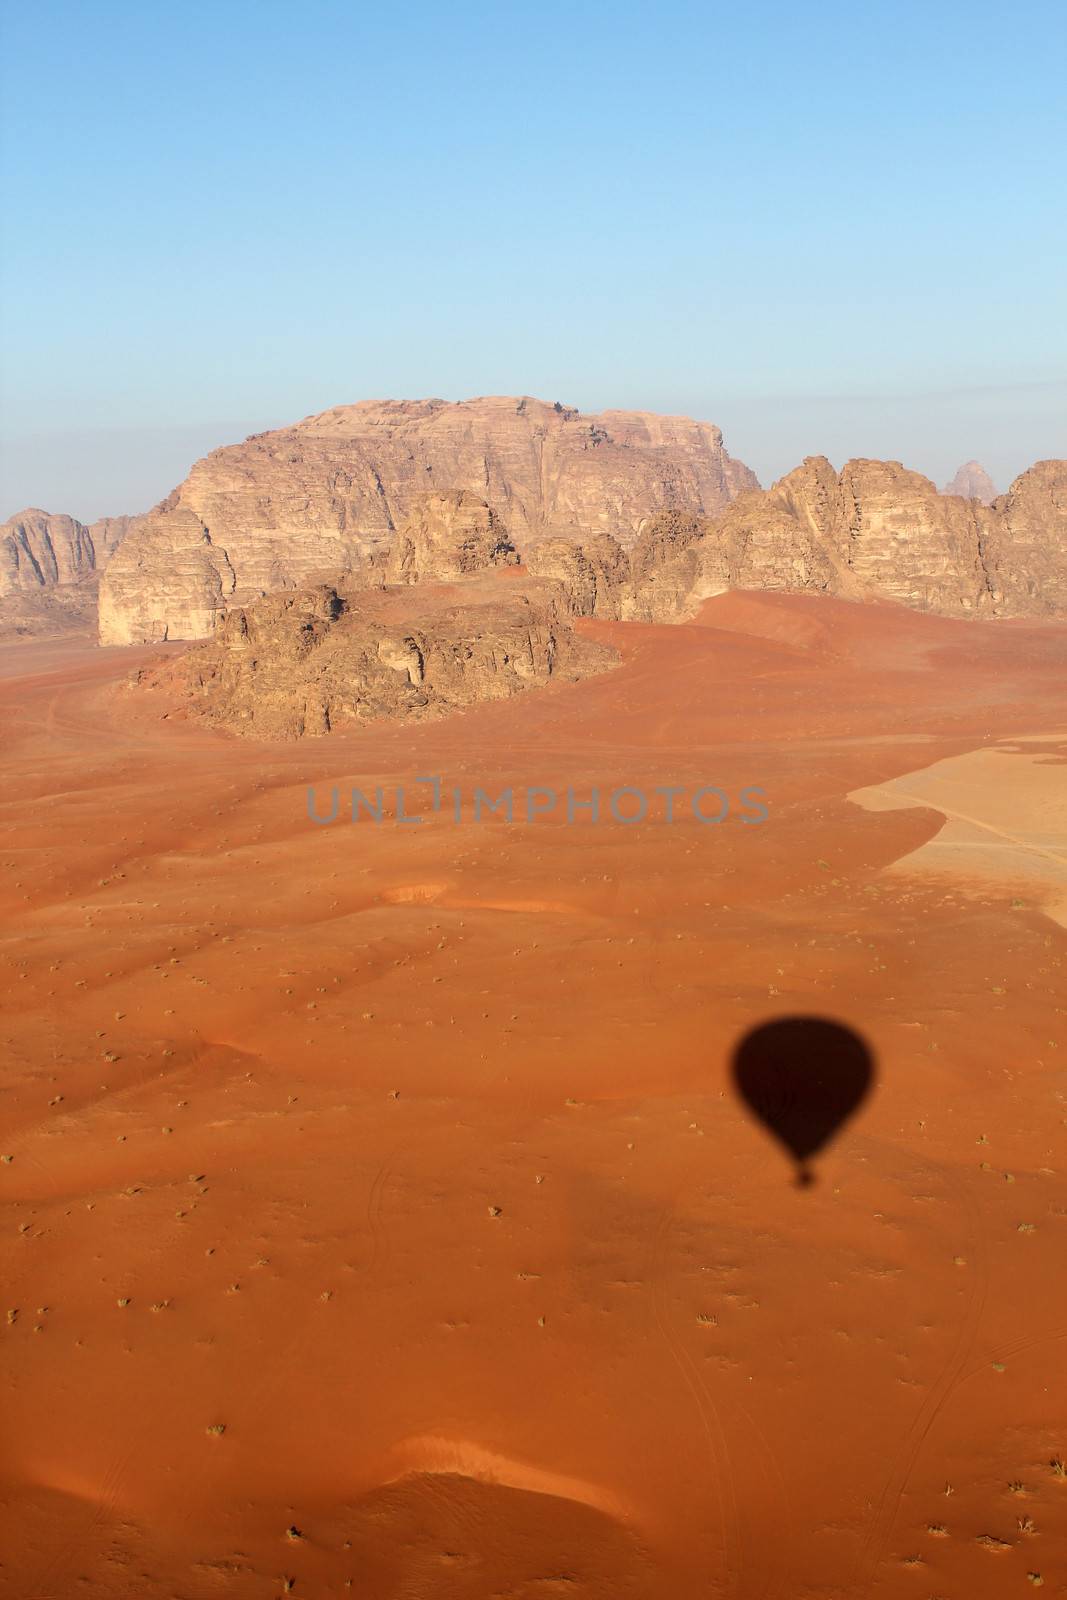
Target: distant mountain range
x=639, y=515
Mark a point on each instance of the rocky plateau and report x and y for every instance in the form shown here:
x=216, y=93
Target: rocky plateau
x=302, y=664
x=299, y=505
x=404, y=558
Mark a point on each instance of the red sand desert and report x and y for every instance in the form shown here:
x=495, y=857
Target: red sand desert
x=377, y=1213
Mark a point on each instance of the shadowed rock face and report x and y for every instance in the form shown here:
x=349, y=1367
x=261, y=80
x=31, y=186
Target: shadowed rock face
x=295, y=665
x=291, y=507
x=973, y=482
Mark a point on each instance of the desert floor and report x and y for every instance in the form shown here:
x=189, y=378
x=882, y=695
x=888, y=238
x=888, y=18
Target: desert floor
x=376, y=1212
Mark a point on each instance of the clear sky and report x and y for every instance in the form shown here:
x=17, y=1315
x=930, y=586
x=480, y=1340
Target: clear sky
x=831, y=227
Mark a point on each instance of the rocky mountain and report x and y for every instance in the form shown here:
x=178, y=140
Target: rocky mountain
x=1026, y=543
x=872, y=531
x=444, y=616
x=49, y=566
x=973, y=482
x=302, y=664
x=294, y=507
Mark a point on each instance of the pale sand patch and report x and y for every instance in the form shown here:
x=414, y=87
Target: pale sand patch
x=1005, y=811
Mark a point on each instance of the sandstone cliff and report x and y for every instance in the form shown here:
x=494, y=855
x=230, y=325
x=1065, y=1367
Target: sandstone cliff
x=49, y=566
x=973, y=482
x=1026, y=542
x=293, y=507
x=173, y=581
x=301, y=664
x=443, y=617
x=872, y=531
x=39, y=551
x=447, y=536
x=639, y=517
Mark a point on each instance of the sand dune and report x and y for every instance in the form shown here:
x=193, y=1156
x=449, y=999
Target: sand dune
x=387, y=1185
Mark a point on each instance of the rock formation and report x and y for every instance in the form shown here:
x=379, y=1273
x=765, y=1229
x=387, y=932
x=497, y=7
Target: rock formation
x=39, y=551
x=973, y=482
x=304, y=663
x=448, y=536
x=873, y=531
x=635, y=517
x=594, y=575
x=444, y=616
x=173, y=581
x=290, y=508
x=49, y=566
x=1026, y=542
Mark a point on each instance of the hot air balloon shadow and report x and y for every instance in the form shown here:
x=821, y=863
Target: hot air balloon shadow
x=803, y=1077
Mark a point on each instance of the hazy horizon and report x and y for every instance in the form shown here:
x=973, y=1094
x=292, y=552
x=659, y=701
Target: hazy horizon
x=89, y=473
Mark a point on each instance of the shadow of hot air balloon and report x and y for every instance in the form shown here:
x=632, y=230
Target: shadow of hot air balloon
x=803, y=1077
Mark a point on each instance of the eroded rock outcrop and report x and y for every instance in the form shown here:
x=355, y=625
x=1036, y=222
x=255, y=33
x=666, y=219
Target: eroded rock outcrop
x=49, y=567
x=291, y=507
x=302, y=664
x=444, y=617
x=594, y=575
x=1026, y=542
x=872, y=531
x=168, y=580
x=39, y=551
x=875, y=531
x=448, y=536
x=638, y=517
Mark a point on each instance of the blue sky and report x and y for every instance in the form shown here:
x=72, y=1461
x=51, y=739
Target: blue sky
x=835, y=228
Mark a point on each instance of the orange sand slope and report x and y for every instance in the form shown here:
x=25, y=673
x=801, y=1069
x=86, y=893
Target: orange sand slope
x=377, y=1216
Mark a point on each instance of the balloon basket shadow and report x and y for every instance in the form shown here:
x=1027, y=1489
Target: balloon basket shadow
x=804, y=1179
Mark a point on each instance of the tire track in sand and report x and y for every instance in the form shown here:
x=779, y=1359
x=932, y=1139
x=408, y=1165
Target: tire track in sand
x=948, y=1380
